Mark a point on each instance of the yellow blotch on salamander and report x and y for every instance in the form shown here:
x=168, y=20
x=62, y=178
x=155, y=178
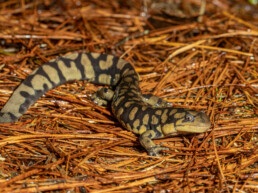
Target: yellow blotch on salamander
x=95, y=55
x=158, y=112
x=127, y=104
x=38, y=82
x=168, y=129
x=52, y=73
x=132, y=113
x=142, y=129
x=106, y=64
x=88, y=68
x=144, y=108
x=105, y=78
x=136, y=123
x=145, y=119
x=120, y=111
x=121, y=63
x=172, y=112
x=154, y=120
x=164, y=116
x=179, y=115
x=70, y=73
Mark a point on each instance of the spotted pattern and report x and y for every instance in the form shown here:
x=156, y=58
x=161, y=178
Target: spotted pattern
x=146, y=115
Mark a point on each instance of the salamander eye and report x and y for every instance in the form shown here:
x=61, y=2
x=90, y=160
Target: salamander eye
x=189, y=118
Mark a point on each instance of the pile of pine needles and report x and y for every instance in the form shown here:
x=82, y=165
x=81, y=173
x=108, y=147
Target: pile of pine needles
x=201, y=55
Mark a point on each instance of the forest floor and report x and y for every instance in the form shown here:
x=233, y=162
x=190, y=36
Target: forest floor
x=201, y=55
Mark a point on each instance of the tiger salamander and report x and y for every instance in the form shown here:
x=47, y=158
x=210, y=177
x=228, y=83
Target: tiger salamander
x=146, y=115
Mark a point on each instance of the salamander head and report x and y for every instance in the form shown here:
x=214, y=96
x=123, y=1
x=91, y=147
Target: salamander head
x=186, y=122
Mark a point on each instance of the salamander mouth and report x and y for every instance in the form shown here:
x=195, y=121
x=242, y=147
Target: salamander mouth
x=195, y=128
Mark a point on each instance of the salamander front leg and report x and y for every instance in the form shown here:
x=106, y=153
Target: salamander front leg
x=149, y=145
x=155, y=101
x=102, y=96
